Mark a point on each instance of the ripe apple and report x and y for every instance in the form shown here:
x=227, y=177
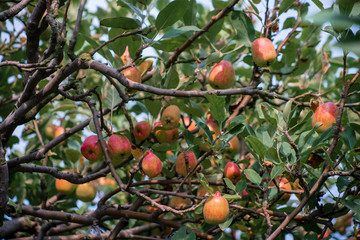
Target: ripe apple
x=151, y=165
x=142, y=130
x=91, y=148
x=165, y=136
x=86, y=192
x=106, y=181
x=234, y=146
x=181, y=163
x=132, y=73
x=216, y=209
x=222, y=75
x=232, y=172
x=119, y=148
x=189, y=124
x=179, y=202
x=63, y=186
x=59, y=130
x=170, y=117
x=263, y=52
x=326, y=114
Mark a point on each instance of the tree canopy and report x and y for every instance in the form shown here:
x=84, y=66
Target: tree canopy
x=267, y=138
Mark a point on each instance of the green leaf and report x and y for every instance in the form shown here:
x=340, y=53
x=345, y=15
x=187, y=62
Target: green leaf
x=111, y=96
x=184, y=233
x=349, y=137
x=342, y=183
x=232, y=197
x=207, y=131
x=244, y=28
x=318, y=4
x=253, y=176
x=153, y=107
x=241, y=185
x=287, y=111
x=226, y=224
x=72, y=154
x=132, y=7
x=214, y=57
x=205, y=183
x=352, y=205
x=276, y=171
x=285, y=5
x=172, y=78
x=256, y=145
x=121, y=22
x=189, y=137
x=229, y=184
x=176, y=32
x=173, y=12
x=190, y=15
x=217, y=106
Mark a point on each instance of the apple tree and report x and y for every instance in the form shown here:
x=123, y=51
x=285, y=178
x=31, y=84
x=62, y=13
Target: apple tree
x=181, y=119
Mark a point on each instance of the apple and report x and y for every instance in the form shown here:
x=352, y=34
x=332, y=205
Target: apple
x=179, y=202
x=151, y=165
x=142, y=130
x=190, y=124
x=165, y=136
x=59, y=130
x=91, y=148
x=86, y=192
x=119, y=148
x=201, y=191
x=263, y=52
x=132, y=73
x=216, y=209
x=232, y=172
x=234, y=146
x=170, y=117
x=181, y=167
x=222, y=75
x=63, y=186
x=106, y=181
x=326, y=114
x=50, y=131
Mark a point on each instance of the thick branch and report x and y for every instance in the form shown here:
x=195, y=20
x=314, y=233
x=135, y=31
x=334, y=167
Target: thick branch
x=14, y=10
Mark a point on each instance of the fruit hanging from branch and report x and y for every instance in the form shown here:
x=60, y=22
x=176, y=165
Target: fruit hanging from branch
x=263, y=52
x=216, y=209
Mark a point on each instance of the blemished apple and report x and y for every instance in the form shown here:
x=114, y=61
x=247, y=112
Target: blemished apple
x=132, y=73
x=222, y=75
x=119, y=148
x=142, y=130
x=232, y=172
x=165, y=136
x=170, y=117
x=151, y=165
x=263, y=52
x=216, y=209
x=63, y=186
x=326, y=114
x=181, y=167
x=86, y=192
x=91, y=148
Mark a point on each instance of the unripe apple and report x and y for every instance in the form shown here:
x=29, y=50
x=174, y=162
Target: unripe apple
x=119, y=148
x=170, y=117
x=179, y=202
x=142, y=130
x=132, y=73
x=234, y=146
x=165, y=136
x=263, y=52
x=50, y=131
x=222, y=75
x=151, y=165
x=326, y=114
x=181, y=167
x=232, y=172
x=86, y=192
x=91, y=148
x=216, y=209
x=106, y=181
x=63, y=186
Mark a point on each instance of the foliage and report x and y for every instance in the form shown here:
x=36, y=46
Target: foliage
x=60, y=66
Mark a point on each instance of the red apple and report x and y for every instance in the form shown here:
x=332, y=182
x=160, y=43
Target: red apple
x=170, y=117
x=181, y=163
x=151, y=165
x=216, y=209
x=232, y=172
x=91, y=148
x=326, y=114
x=142, y=130
x=165, y=136
x=263, y=52
x=119, y=148
x=222, y=75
